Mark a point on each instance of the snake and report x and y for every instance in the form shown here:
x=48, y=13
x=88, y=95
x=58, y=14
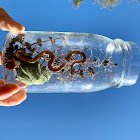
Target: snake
x=52, y=56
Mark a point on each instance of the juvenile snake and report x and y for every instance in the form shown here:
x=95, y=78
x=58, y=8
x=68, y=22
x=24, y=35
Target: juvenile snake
x=22, y=58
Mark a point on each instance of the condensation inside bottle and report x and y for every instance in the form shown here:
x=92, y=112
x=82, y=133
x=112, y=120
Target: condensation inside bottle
x=61, y=62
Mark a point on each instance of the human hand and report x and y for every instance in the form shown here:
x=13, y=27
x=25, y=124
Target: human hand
x=8, y=24
x=10, y=94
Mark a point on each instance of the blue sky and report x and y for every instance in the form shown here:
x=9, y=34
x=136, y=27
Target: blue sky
x=111, y=114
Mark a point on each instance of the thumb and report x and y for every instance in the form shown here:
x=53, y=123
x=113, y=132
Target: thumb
x=8, y=24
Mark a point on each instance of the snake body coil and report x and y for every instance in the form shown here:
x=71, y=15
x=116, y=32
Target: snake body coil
x=52, y=56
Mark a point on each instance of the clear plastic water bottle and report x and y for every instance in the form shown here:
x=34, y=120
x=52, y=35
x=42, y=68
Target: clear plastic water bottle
x=60, y=62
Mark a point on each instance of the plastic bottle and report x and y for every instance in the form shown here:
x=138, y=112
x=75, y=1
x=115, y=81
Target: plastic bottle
x=57, y=62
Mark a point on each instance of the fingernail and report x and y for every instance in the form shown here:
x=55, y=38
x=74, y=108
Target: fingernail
x=24, y=89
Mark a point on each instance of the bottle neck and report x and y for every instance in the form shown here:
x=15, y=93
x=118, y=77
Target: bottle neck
x=131, y=63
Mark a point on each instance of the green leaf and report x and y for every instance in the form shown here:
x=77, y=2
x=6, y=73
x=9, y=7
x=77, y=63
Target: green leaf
x=33, y=73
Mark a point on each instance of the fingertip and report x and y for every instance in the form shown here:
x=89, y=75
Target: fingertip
x=15, y=27
x=21, y=84
x=14, y=86
x=23, y=28
x=23, y=90
x=8, y=90
x=19, y=27
x=16, y=99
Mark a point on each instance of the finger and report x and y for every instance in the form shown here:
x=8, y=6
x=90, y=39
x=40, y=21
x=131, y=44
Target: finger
x=8, y=24
x=21, y=84
x=15, y=99
x=3, y=13
x=1, y=82
x=8, y=90
x=12, y=26
x=4, y=26
x=15, y=26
